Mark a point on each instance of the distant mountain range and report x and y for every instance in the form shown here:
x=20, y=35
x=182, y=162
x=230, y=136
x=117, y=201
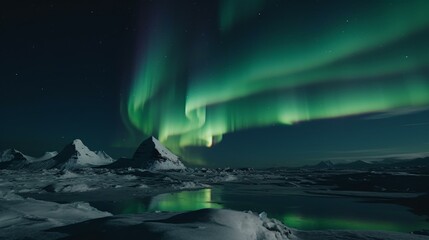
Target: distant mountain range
x=360, y=164
x=151, y=155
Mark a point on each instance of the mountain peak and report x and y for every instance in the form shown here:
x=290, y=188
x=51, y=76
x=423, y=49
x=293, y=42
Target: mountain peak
x=9, y=154
x=155, y=156
x=151, y=139
x=76, y=154
x=78, y=143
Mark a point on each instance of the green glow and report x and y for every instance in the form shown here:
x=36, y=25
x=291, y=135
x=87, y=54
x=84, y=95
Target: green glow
x=134, y=206
x=359, y=62
x=282, y=54
x=233, y=11
x=174, y=202
x=312, y=223
x=183, y=201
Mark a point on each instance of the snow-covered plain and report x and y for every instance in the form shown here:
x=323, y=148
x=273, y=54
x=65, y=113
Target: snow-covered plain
x=64, y=196
x=22, y=217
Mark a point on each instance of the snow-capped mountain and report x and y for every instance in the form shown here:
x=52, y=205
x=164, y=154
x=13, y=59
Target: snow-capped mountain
x=13, y=155
x=151, y=155
x=14, y=159
x=77, y=155
x=154, y=156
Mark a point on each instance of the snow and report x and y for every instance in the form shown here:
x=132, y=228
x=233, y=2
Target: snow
x=11, y=154
x=211, y=224
x=77, y=155
x=164, y=151
x=166, y=160
x=103, y=155
x=46, y=156
x=86, y=157
x=220, y=224
x=205, y=224
x=223, y=177
x=68, y=174
x=160, y=165
x=25, y=218
x=64, y=187
x=152, y=155
x=22, y=217
x=190, y=185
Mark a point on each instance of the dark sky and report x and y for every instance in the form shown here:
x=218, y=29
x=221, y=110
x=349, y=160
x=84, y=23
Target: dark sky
x=64, y=64
x=222, y=83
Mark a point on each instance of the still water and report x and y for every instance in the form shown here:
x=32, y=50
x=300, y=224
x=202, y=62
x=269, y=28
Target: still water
x=297, y=211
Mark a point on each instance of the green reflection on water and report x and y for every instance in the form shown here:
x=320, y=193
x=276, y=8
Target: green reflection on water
x=174, y=202
x=208, y=198
x=134, y=206
x=184, y=201
x=314, y=223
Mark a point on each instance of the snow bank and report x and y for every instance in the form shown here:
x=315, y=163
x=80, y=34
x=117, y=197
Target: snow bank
x=222, y=224
x=22, y=217
x=9, y=196
x=207, y=224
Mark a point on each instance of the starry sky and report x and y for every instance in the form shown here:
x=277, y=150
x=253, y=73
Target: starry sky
x=255, y=83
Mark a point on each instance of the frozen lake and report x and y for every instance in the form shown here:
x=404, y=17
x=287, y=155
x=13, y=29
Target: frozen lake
x=296, y=210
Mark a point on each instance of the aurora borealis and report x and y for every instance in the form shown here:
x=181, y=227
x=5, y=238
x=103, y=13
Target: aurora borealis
x=265, y=63
x=219, y=82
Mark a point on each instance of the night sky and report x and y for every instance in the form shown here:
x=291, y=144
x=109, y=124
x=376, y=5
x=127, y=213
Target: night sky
x=256, y=83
